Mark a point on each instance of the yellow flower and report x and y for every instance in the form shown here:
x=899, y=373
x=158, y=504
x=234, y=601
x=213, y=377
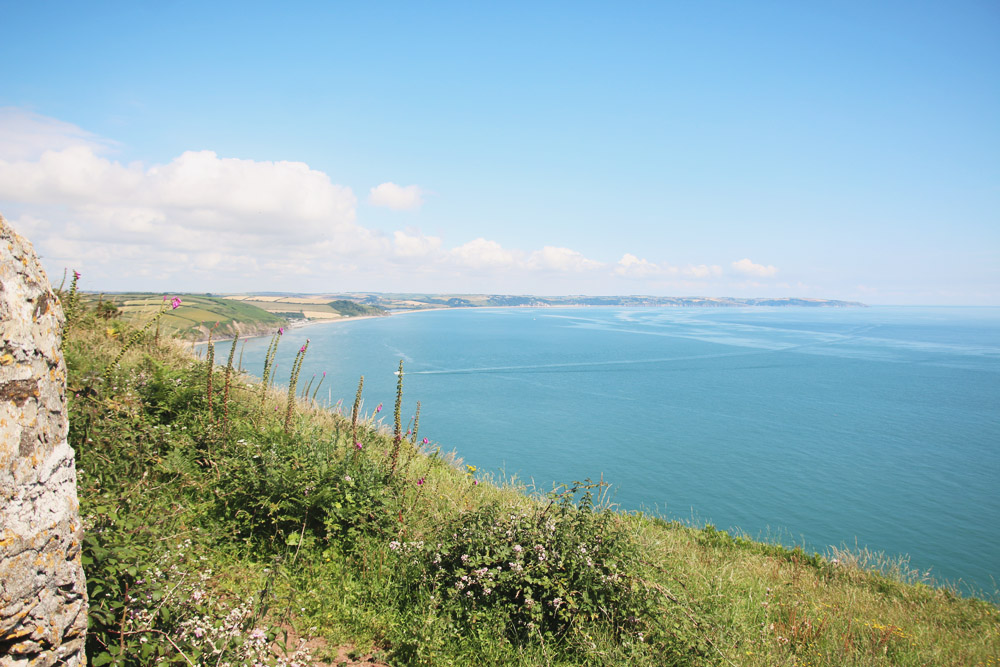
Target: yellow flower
x=110, y=331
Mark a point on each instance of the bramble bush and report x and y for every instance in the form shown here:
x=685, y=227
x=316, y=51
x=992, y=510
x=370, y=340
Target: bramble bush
x=537, y=573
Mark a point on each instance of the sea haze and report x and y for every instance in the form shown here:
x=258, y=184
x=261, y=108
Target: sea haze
x=875, y=427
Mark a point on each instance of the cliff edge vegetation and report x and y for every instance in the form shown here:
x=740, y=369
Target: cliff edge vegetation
x=228, y=522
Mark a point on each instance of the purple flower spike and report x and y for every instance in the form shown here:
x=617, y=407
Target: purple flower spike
x=175, y=303
x=302, y=349
x=76, y=275
x=378, y=409
x=281, y=330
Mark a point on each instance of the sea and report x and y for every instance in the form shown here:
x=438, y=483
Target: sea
x=860, y=428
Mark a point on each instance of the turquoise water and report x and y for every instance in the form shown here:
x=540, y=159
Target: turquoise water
x=875, y=427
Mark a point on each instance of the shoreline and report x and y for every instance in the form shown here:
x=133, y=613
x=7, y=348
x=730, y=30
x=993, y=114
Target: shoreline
x=301, y=324
x=295, y=324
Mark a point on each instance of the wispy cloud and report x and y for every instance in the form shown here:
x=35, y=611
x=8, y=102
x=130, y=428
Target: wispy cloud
x=396, y=197
x=748, y=268
x=631, y=266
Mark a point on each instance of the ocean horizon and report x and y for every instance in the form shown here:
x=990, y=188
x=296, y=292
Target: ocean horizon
x=872, y=428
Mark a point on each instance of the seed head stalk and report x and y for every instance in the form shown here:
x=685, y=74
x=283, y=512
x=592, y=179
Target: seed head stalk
x=316, y=390
x=398, y=430
x=272, y=349
x=229, y=373
x=296, y=367
x=416, y=424
x=355, y=409
x=209, y=372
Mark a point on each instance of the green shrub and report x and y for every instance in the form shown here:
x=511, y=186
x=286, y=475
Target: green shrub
x=535, y=574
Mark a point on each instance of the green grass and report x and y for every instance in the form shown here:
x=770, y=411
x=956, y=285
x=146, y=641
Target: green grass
x=224, y=538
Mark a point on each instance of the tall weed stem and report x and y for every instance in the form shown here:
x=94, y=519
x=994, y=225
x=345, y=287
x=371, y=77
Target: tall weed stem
x=296, y=367
x=397, y=434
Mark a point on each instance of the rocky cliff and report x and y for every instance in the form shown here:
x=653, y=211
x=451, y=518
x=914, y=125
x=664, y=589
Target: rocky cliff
x=43, y=594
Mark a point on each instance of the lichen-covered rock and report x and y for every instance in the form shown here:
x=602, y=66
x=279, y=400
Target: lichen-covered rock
x=43, y=594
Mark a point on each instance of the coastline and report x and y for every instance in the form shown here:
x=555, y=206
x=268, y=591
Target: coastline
x=295, y=324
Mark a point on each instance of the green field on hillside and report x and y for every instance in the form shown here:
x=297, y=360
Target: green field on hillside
x=197, y=315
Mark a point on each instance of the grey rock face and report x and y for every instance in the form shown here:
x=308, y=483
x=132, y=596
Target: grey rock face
x=43, y=594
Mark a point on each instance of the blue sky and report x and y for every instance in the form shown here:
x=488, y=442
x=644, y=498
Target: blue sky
x=843, y=150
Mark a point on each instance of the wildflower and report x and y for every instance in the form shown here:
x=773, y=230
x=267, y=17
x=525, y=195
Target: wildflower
x=378, y=409
x=302, y=349
x=347, y=478
x=420, y=482
x=471, y=469
x=518, y=548
x=426, y=441
x=281, y=330
x=175, y=303
x=76, y=275
x=394, y=545
x=475, y=482
x=358, y=445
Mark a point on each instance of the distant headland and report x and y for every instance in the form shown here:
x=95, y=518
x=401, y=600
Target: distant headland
x=201, y=316
x=394, y=301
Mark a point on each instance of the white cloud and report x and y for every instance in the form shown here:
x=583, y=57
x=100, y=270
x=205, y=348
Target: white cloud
x=702, y=271
x=551, y=258
x=632, y=266
x=206, y=222
x=25, y=135
x=482, y=254
x=415, y=245
x=746, y=267
x=635, y=267
x=396, y=197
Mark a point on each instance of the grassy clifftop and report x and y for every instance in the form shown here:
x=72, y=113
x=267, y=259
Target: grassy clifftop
x=231, y=523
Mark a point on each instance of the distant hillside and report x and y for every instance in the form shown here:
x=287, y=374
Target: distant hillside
x=197, y=315
x=354, y=309
x=310, y=307
x=407, y=301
